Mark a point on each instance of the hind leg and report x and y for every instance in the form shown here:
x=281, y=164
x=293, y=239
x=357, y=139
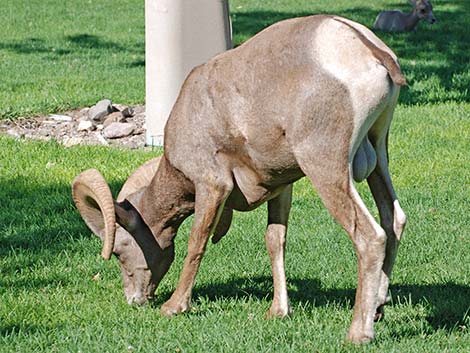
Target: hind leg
x=392, y=219
x=339, y=195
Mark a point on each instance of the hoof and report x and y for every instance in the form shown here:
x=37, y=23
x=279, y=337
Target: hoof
x=216, y=237
x=379, y=314
x=278, y=312
x=359, y=338
x=169, y=309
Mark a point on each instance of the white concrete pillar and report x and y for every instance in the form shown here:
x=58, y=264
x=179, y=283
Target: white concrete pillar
x=179, y=34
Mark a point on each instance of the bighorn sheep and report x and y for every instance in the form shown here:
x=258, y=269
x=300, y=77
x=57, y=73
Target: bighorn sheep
x=397, y=21
x=309, y=96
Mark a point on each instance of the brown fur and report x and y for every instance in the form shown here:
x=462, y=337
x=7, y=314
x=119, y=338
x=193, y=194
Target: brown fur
x=251, y=122
x=385, y=58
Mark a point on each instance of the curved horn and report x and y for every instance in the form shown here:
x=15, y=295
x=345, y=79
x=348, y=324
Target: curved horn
x=140, y=178
x=95, y=203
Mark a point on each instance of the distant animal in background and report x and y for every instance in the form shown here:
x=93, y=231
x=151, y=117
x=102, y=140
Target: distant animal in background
x=397, y=21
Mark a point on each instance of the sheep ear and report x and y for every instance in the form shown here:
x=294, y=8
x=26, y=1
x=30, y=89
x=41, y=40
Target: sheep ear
x=126, y=215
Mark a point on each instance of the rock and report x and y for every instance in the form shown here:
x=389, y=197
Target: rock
x=135, y=142
x=51, y=126
x=138, y=131
x=85, y=125
x=71, y=141
x=62, y=118
x=140, y=109
x=124, y=109
x=41, y=138
x=76, y=115
x=118, y=130
x=100, y=110
x=119, y=107
x=128, y=112
x=101, y=139
x=116, y=117
x=132, y=142
x=84, y=111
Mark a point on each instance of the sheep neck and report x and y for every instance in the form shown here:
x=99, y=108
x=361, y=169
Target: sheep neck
x=166, y=202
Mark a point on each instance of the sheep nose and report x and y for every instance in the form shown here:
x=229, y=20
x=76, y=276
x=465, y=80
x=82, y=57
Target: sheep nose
x=137, y=299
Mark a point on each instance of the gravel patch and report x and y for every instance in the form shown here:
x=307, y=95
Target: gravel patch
x=105, y=123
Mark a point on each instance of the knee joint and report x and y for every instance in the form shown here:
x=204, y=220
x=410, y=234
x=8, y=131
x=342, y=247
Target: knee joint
x=373, y=242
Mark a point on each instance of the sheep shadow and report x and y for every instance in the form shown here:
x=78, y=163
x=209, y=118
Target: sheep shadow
x=445, y=314
x=22, y=230
x=38, y=219
x=15, y=329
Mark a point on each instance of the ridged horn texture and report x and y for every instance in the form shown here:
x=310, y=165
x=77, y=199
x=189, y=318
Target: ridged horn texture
x=140, y=178
x=95, y=203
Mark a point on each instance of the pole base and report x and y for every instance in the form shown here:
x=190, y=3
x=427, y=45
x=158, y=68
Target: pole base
x=154, y=140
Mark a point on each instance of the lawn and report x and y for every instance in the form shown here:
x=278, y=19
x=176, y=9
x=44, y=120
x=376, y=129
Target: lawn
x=58, y=295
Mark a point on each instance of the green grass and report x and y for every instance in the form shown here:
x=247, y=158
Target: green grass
x=59, y=55
x=435, y=59
x=49, y=301
x=48, y=258
x=62, y=55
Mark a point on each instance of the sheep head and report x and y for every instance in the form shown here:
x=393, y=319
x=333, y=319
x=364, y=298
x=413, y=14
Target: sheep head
x=123, y=232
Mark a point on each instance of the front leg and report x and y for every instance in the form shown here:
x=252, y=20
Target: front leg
x=278, y=214
x=208, y=207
